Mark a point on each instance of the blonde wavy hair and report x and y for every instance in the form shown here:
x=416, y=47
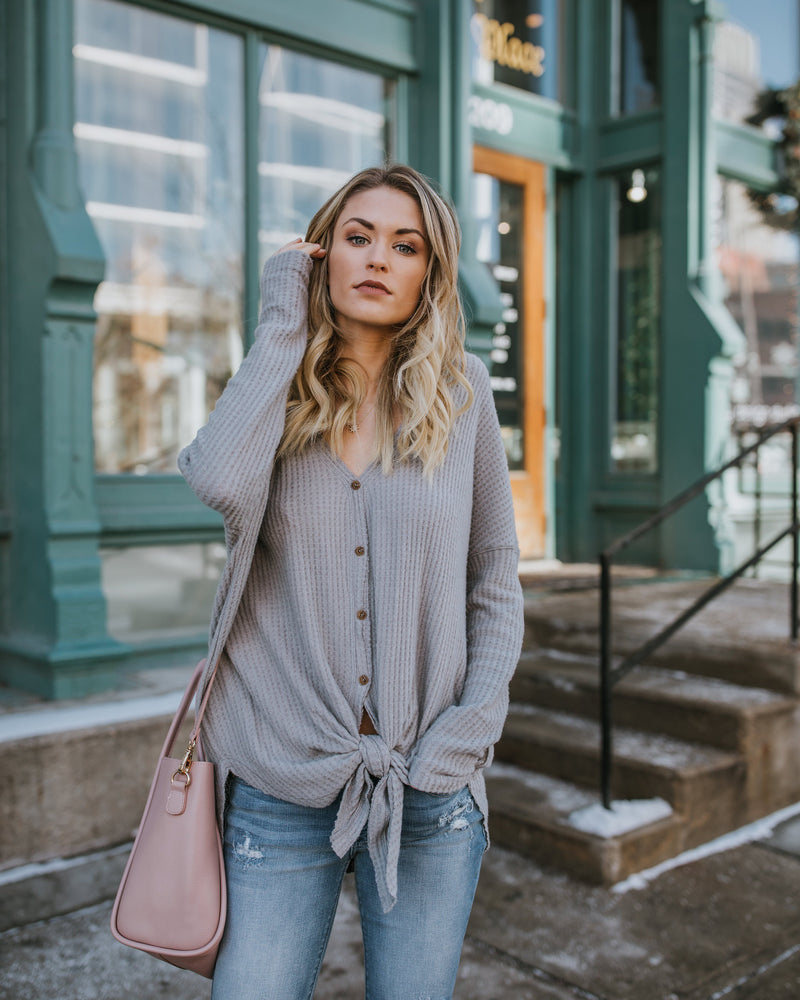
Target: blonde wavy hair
x=426, y=361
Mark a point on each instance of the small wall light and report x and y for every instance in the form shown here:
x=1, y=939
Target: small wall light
x=637, y=191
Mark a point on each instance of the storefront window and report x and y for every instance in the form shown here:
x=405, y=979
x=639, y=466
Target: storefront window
x=498, y=208
x=518, y=43
x=756, y=49
x=159, y=135
x=637, y=73
x=760, y=266
x=320, y=122
x=634, y=445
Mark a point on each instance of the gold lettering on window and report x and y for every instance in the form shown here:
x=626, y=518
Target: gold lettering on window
x=499, y=44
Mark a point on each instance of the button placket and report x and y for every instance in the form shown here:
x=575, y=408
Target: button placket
x=360, y=574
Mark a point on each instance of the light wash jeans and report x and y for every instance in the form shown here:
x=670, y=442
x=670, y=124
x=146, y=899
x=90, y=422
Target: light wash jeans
x=284, y=881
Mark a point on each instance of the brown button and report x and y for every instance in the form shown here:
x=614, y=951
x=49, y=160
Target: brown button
x=360, y=550
x=363, y=679
x=355, y=485
x=362, y=614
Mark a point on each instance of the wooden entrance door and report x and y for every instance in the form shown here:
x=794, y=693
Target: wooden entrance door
x=509, y=204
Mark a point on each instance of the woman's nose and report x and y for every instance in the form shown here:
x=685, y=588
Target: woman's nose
x=377, y=256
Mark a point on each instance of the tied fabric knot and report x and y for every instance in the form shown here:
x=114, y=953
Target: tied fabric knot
x=374, y=796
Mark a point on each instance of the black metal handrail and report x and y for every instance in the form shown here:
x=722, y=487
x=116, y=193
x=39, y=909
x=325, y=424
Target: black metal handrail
x=610, y=676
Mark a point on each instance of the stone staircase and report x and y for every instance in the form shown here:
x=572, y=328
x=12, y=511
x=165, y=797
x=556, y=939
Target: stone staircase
x=711, y=727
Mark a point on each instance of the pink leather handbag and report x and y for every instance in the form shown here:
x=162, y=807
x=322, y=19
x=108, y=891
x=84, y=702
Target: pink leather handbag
x=172, y=900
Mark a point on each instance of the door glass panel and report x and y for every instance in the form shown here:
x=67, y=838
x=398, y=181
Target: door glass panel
x=320, y=122
x=634, y=446
x=159, y=134
x=519, y=43
x=498, y=208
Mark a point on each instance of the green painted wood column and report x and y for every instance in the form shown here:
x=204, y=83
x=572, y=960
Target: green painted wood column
x=442, y=148
x=56, y=642
x=698, y=337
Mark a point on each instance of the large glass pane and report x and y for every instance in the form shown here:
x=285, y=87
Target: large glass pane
x=320, y=122
x=519, y=43
x=498, y=209
x=159, y=133
x=637, y=73
x=756, y=48
x=160, y=591
x=634, y=445
x=760, y=267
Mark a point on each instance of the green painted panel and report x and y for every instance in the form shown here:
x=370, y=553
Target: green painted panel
x=151, y=505
x=524, y=125
x=344, y=25
x=629, y=141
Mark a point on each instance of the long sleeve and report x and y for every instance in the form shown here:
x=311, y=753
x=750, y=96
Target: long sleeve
x=460, y=740
x=229, y=463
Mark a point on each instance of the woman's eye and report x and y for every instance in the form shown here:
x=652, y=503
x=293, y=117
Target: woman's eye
x=357, y=240
x=406, y=248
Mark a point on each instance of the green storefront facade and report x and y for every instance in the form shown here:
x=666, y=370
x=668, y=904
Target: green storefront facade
x=154, y=153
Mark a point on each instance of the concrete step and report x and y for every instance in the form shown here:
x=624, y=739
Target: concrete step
x=544, y=818
x=706, y=786
x=741, y=637
x=75, y=779
x=689, y=707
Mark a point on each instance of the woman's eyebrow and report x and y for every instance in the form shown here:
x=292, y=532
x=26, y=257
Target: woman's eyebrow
x=370, y=225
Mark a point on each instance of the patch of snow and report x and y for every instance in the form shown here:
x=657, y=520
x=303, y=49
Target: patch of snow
x=560, y=795
x=23, y=725
x=758, y=830
x=623, y=816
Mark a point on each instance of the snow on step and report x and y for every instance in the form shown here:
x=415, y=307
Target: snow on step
x=571, y=672
x=576, y=806
x=656, y=749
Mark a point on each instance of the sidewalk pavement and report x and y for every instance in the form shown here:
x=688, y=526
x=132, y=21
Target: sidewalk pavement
x=722, y=926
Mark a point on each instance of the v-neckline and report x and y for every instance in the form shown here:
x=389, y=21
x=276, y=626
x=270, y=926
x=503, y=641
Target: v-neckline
x=340, y=463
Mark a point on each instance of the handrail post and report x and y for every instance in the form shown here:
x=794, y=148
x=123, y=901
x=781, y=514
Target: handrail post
x=795, y=540
x=758, y=498
x=606, y=749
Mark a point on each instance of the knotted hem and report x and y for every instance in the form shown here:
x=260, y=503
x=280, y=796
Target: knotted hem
x=379, y=805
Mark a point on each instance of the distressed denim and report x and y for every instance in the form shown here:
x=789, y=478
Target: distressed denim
x=284, y=881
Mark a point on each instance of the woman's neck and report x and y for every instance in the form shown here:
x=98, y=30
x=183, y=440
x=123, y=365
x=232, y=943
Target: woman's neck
x=370, y=353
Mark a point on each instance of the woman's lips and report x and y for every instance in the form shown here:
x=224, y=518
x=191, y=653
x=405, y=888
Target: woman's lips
x=373, y=288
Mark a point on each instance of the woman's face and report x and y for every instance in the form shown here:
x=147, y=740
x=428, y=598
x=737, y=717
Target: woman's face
x=376, y=262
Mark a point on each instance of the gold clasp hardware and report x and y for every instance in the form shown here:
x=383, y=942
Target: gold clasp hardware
x=186, y=763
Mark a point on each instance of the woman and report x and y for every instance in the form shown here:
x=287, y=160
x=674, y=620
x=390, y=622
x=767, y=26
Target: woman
x=370, y=613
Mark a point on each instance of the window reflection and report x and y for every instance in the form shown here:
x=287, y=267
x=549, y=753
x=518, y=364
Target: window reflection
x=637, y=48
x=160, y=591
x=755, y=48
x=760, y=268
x=320, y=122
x=159, y=134
x=634, y=446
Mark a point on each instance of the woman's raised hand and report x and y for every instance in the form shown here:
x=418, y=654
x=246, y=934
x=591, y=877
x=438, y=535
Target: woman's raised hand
x=312, y=249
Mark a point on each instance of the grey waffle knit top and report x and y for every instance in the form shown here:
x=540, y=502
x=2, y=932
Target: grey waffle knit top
x=341, y=593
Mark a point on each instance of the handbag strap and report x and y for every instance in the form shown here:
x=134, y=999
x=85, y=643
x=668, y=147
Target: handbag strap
x=180, y=715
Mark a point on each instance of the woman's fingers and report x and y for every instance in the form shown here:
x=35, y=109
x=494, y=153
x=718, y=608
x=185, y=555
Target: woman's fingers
x=312, y=249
